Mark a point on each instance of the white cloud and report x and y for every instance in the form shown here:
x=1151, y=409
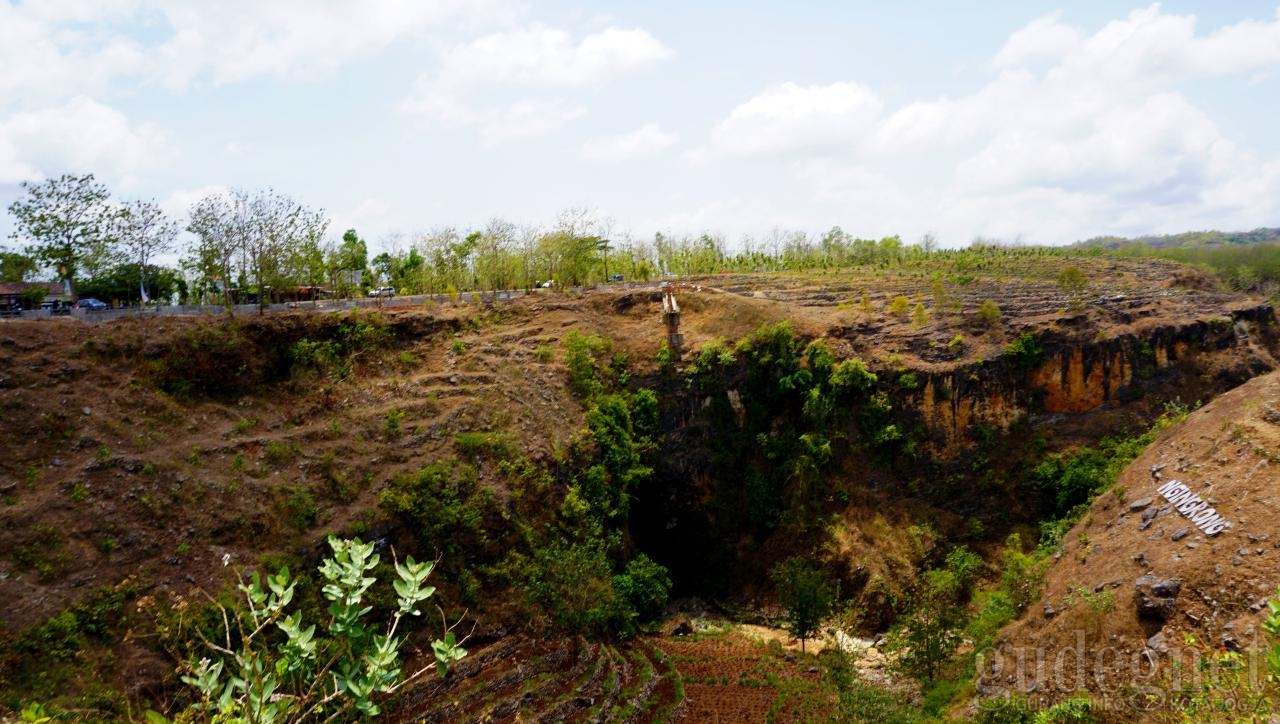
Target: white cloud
x=370, y=217
x=734, y=217
x=523, y=60
x=1148, y=48
x=63, y=47
x=1076, y=133
x=544, y=56
x=1044, y=38
x=640, y=143
x=12, y=168
x=233, y=41
x=85, y=134
x=791, y=118
x=42, y=61
x=496, y=123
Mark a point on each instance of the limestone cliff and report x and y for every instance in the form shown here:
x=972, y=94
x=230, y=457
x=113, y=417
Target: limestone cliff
x=1074, y=375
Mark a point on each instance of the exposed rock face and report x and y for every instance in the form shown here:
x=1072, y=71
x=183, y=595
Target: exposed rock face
x=1076, y=376
x=1157, y=598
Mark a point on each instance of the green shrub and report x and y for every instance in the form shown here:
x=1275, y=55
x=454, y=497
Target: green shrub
x=1025, y=351
x=301, y=507
x=1022, y=574
x=279, y=453
x=582, y=355
x=444, y=507
x=392, y=430
x=1075, y=709
x=44, y=553
x=1074, y=283
x=666, y=359
x=608, y=485
x=644, y=585
x=995, y=611
x=322, y=356
x=919, y=316
x=851, y=375
x=989, y=314
x=492, y=445
x=965, y=566
x=573, y=584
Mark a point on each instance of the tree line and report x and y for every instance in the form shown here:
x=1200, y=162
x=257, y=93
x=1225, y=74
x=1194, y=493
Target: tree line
x=261, y=246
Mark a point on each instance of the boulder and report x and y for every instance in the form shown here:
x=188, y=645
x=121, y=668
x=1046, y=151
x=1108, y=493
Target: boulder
x=1137, y=505
x=1157, y=598
x=680, y=627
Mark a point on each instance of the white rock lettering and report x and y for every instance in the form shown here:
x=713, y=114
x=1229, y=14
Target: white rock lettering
x=1193, y=508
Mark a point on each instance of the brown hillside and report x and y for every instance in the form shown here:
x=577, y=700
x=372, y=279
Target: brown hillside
x=166, y=452
x=1141, y=586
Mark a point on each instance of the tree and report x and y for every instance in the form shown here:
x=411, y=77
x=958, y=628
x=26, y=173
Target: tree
x=265, y=240
x=16, y=267
x=144, y=231
x=310, y=676
x=928, y=243
x=1073, y=281
x=350, y=261
x=219, y=224
x=805, y=594
x=279, y=228
x=120, y=282
x=927, y=638
x=919, y=316
x=989, y=314
x=67, y=221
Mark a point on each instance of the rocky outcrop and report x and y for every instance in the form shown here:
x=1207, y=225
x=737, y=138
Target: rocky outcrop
x=1156, y=598
x=1074, y=375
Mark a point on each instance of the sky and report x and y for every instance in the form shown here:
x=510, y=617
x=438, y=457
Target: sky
x=1026, y=121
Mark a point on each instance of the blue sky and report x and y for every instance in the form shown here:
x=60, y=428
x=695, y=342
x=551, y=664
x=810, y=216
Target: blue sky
x=1045, y=122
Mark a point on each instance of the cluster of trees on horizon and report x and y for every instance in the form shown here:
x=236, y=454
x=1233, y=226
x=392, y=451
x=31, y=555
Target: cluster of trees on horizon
x=258, y=245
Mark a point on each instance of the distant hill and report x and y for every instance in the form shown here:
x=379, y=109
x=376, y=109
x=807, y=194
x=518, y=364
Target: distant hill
x=1261, y=235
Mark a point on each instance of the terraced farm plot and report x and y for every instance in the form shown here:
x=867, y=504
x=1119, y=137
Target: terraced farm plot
x=518, y=679
x=728, y=677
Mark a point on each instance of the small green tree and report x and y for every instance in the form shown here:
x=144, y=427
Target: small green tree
x=927, y=638
x=989, y=314
x=919, y=317
x=310, y=677
x=1022, y=574
x=1075, y=284
x=805, y=594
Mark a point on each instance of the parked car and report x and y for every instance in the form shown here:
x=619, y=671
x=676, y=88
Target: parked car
x=615, y=277
x=383, y=292
x=92, y=305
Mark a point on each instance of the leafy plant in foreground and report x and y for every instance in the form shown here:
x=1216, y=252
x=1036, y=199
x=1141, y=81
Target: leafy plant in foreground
x=310, y=677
